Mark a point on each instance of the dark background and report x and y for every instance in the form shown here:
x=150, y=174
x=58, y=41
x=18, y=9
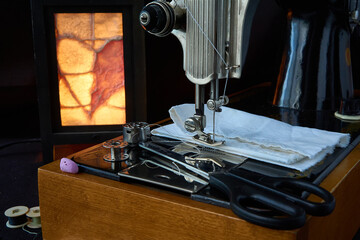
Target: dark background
x=18, y=99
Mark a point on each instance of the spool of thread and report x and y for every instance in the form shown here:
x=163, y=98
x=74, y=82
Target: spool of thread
x=118, y=151
x=34, y=215
x=16, y=216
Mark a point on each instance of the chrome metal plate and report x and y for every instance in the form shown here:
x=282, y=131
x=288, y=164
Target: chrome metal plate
x=150, y=173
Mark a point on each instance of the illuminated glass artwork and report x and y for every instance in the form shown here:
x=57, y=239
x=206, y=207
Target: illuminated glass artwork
x=89, y=48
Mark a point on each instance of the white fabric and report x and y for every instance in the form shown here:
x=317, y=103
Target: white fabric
x=259, y=137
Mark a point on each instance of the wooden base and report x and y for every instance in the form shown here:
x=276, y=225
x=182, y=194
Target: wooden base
x=83, y=206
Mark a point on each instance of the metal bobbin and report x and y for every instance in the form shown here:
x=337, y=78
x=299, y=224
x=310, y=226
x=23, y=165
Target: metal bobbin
x=136, y=132
x=118, y=151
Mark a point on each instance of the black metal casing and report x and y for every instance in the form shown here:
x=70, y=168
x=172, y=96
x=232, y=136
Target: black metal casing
x=316, y=71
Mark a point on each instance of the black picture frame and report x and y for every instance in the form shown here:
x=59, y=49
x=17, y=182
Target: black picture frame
x=51, y=130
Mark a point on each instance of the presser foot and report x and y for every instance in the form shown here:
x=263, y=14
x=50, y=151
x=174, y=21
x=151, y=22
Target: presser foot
x=207, y=140
x=197, y=124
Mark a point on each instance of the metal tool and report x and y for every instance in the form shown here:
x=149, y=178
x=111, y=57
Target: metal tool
x=174, y=168
x=172, y=156
x=161, y=171
x=280, y=196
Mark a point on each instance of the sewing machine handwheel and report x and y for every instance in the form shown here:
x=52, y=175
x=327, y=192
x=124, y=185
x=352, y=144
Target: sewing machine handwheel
x=157, y=18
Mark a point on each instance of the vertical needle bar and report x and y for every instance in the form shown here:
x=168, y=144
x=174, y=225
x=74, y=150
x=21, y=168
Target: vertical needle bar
x=214, y=126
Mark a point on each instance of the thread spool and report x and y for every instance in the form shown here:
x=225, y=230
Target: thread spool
x=118, y=151
x=16, y=216
x=34, y=215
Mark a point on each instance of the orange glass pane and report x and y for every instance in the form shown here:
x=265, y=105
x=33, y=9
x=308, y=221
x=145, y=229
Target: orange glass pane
x=108, y=25
x=90, y=59
x=74, y=25
x=74, y=57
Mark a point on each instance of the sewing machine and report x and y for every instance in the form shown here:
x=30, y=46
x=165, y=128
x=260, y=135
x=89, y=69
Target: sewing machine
x=219, y=31
x=215, y=36
x=214, y=52
x=315, y=72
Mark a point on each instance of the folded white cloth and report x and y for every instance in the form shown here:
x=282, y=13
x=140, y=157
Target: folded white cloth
x=259, y=137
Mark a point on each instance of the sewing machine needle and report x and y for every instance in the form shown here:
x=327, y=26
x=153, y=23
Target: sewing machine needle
x=214, y=126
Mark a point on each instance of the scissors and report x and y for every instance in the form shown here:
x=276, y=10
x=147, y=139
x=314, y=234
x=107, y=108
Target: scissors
x=273, y=202
x=277, y=194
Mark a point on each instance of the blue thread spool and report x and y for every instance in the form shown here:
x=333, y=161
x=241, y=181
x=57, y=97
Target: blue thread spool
x=16, y=216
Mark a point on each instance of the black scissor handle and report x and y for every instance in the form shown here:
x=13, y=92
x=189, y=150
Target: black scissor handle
x=240, y=193
x=314, y=208
x=281, y=186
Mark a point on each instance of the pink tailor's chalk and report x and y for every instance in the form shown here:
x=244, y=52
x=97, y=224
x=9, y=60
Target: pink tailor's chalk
x=68, y=165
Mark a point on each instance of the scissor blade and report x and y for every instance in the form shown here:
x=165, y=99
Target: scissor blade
x=157, y=161
x=172, y=156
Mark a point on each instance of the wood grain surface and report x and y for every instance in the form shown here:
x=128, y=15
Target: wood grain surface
x=84, y=206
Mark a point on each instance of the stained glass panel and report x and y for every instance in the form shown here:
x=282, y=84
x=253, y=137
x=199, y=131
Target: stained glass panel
x=90, y=59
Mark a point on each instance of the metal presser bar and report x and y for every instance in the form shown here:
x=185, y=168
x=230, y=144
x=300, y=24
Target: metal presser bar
x=214, y=35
